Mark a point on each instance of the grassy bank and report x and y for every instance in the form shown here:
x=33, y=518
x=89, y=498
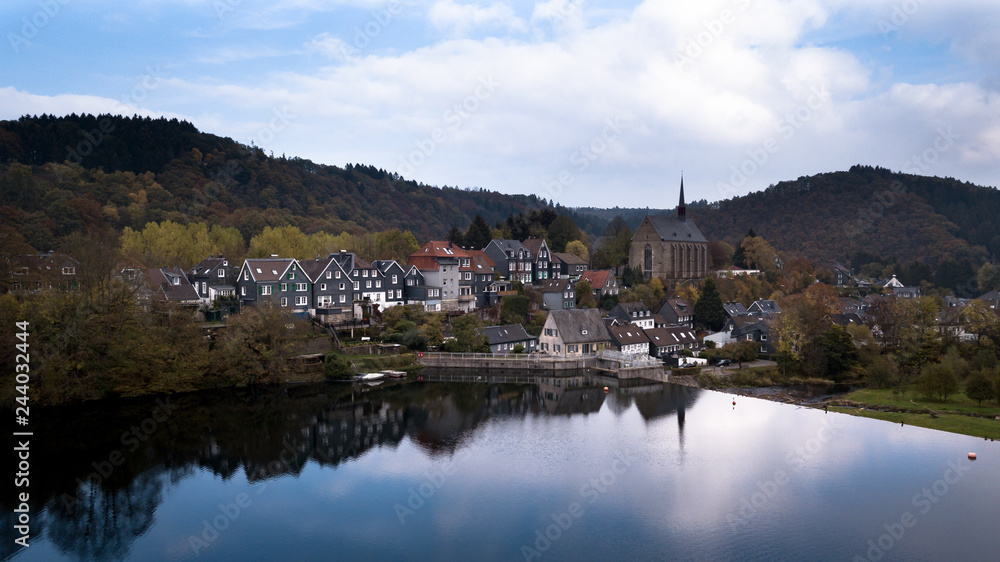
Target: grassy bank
x=958, y=415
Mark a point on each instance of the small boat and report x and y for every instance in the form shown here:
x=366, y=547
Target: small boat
x=395, y=374
x=370, y=376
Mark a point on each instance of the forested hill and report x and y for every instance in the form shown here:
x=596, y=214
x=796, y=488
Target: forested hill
x=867, y=211
x=61, y=175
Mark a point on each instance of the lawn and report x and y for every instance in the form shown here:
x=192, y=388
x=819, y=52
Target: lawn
x=953, y=422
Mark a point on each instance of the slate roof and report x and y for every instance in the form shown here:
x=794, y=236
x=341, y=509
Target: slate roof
x=735, y=309
x=207, y=265
x=675, y=229
x=555, y=285
x=533, y=245
x=512, y=333
x=568, y=259
x=314, y=268
x=171, y=285
x=580, y=325
x=265, y=270
x=681, y=307
x=765, y=306
x=639, y=308
x=510, y=247
x=661, y=337
x=628, y=334
x=481, y=263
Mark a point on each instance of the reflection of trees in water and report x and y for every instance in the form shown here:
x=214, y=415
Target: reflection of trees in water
x=101, y=524
x=276, y=432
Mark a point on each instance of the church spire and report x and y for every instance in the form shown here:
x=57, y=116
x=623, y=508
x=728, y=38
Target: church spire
x=681, y=207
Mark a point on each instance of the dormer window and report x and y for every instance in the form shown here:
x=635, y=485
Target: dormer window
x=176, y=280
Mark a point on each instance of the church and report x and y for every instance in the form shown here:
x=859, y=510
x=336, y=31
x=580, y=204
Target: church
x=670, y=247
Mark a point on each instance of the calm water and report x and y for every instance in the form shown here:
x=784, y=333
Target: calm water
x=449, y=470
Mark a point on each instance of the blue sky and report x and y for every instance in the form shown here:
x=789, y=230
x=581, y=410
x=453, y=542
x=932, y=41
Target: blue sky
x=587, y=102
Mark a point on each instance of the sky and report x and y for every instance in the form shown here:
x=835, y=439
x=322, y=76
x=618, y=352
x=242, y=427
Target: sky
x=585, y=102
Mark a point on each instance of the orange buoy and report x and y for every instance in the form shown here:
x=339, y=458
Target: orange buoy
x=605, y=389
x=972, y=456
x=734, y=402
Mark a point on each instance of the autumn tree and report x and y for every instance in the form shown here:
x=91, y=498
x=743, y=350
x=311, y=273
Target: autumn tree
x=585, y=295
x=578, y=249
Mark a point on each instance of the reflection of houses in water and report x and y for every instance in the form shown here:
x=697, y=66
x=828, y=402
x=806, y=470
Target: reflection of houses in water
x=570, y=395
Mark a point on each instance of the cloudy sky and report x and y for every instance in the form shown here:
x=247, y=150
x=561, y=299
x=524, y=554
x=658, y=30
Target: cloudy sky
x=587, y=102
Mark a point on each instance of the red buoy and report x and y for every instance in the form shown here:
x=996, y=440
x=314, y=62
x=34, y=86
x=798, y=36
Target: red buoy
x=605, y=389
x=972, y=456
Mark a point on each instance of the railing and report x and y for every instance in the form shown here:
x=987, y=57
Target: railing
x=534, y=357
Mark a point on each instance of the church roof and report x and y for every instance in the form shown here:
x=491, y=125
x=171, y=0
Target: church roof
x=676, y=229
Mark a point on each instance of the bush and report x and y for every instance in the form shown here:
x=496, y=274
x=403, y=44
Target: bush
x=337, y=367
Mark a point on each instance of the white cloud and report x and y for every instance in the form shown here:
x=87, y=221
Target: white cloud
x=461, y=19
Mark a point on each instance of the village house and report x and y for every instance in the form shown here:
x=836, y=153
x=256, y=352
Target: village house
x=439, y=262
x=677, y=312
x=169, y=285
x=44, y=271
x=277, y=280
x=670, y=247
x=393, y=278
x=542, y=266
x=574, y=333
x=503, y=339
x=568, y=265
x=634, y=313
x=629, y=339
x=333, y=290
x=752, y=328
x=213, y=278
x=417, y=292
x=513, y=261
x=664, y=342
x=558, y=294
x=479, y=276
x=603, y=282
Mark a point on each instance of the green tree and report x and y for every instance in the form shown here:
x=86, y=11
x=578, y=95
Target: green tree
x=585, y=295
x=741, y=351
x=979, y=387
x=708, y=310
x=937, y=382
x=578, y=249
x=455, y=236
x=561, y=232
x=841, y=354
x=337, y=366
x=479, y=234
x=514, y=309
x=468, y=338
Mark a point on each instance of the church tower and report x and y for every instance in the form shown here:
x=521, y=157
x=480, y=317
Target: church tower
x=681, y=207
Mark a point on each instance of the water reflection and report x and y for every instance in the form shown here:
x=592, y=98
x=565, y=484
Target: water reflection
x=102, y=470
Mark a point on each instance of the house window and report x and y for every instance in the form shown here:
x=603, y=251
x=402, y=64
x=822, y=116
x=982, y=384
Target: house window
x=749, y=337
x=329, y=274
x=378, y=284
x=341, y=286
x=222, y=273
x=301, y=287
x=69, y=271
x=322, y=286
x=246, y=275
x=284, y=301
x=301, y=301
x=338, y=275
x=368, y=284
x=647, y=258
x=364, y=273
x=243, y=291
x=343, y=298
x=357, y=285
x=291, y=276
x=265, y=290
x=177, y=280
x=284, y=287
x=763, y=337
x=395, y=279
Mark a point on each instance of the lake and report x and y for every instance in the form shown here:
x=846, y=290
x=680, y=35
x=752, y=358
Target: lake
x=449, y=468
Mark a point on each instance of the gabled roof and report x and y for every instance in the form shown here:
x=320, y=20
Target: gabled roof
x=597, y=279
x=172, y=286
x=627, y=308
x=511, y=333
x=765, y=306
x=435, y=253
x=534, y=245
x=579, y=325
x=628, y=334
x=680, y=307
x=481, y=263
x=670, y=336
x=506, y=246
x=990, y=296
x=568, y=259
x=264, y=270
x=385, y=265
x=675, y=229
x=361, y=263
x=735, y=309
x=207, y=265
x=555, y=285
x=314, y=268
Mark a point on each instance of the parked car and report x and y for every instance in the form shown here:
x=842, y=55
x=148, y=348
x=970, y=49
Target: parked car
x=723, y=363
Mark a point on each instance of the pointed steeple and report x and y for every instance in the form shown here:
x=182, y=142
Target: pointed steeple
x=681, y=207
